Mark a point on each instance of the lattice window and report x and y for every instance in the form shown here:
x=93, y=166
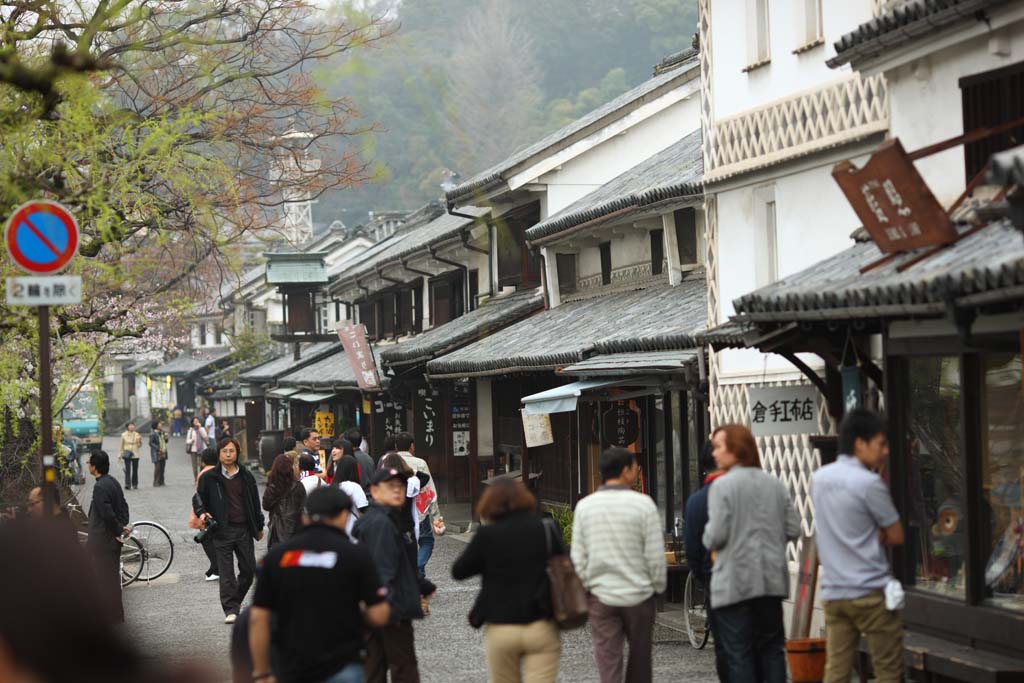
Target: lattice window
x=843, y=111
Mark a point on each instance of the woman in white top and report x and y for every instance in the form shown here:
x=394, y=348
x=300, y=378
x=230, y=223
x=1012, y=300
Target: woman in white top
x=345, y=475
x=196, y=442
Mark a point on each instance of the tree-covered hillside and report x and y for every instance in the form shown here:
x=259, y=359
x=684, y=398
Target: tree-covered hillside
x=462, y=83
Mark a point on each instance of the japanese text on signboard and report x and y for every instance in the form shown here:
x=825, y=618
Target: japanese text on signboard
x=896, y=206
x=462, y=417
x=428, y=421
x=783, y=410
x=360, y=355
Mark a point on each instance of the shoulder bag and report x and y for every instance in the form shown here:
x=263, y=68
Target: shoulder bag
x=568, y=596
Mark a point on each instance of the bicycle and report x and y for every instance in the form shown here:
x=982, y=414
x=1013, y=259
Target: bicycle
x=148, y=550
x=132, y=558
x=697, y=605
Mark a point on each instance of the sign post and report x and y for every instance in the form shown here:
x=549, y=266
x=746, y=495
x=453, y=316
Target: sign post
x=42, y=238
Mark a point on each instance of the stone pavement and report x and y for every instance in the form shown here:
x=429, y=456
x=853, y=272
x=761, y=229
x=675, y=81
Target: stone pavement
x=178, y=617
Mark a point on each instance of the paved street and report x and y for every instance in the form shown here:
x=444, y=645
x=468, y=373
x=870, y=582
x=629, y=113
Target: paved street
x=178, y=617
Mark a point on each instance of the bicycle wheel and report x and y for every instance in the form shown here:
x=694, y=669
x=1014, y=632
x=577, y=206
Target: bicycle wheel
x=132, y=560
x=158, y=549
x=695, y=600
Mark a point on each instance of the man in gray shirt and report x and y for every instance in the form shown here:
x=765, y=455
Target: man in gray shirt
x=855, y=518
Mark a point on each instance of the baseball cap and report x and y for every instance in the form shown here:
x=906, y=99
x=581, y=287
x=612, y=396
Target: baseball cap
x=380, y=476
x=327, y=501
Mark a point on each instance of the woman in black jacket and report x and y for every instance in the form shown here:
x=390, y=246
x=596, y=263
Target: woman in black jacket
x=511, y=552
x=283, y=498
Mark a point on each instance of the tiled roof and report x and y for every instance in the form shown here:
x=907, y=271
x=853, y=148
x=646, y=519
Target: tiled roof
x=659, y=318
x=282, y=364
x=970, y=271
x=405, y=244
x=730, y=334
x=332, y=370
x=487, y=319
x=600, y=117
x=614, y=364
x=671, y=174
x=189, y=363
x=905, y=22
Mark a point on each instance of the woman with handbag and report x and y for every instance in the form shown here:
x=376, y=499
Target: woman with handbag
x=131, y=444
x=196, y=441
x=283, y=498
x=511, y=553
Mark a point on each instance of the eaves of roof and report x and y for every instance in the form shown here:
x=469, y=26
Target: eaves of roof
x=983, y=267
x=672, y=175
x=286, y=363
x=658, y=318
x=905, y=22
x=492, y=178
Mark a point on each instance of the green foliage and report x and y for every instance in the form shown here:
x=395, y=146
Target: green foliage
x=562, y=514
x=419, y=85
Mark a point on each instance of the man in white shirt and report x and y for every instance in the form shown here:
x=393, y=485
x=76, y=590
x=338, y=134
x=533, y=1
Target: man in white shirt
x=618, y=550
x=211, y=425
x=431, y=521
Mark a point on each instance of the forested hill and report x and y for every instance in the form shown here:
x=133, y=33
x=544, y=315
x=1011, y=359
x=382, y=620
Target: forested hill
x=463, y=83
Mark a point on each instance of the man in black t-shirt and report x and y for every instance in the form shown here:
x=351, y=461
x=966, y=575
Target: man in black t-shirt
x=321, y=589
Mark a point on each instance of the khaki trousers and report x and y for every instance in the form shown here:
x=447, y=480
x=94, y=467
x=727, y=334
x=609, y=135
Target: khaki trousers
x=846, y=620
x=526, y=653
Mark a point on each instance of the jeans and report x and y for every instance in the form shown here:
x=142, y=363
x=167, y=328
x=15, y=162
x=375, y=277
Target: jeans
x=352, y=673
x=232, y=541
x=131, y=473
x=753, y=640
x=612, y=627
x=426, y=547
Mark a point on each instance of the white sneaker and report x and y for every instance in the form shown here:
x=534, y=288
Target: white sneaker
x=230, y=619
x=212, y=577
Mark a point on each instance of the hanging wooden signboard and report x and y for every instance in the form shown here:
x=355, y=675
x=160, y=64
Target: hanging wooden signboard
x=891, y=198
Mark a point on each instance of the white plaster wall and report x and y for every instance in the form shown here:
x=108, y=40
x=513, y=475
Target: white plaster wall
x=615, y=155
x=628, y=249
x=926, y=104
x=813, y=221
x=735, y=91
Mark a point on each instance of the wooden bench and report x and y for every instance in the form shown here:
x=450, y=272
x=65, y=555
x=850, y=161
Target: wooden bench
x=937, y=659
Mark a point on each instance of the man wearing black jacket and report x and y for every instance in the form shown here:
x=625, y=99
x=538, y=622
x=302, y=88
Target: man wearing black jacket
x=362, y=458
x=392, y=648
x=108, y=522
x=228, y=496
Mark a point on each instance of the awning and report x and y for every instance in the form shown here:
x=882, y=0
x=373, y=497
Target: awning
x=563, y=399
x=311, y=397
x=618, y=364
x=282, y=392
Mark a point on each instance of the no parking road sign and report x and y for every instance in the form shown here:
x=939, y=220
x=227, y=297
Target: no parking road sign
x=42, y=237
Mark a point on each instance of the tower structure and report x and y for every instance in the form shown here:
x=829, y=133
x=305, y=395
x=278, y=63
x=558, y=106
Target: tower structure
x=295, y=164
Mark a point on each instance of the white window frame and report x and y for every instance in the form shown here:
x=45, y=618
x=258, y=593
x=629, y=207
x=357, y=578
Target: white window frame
x=759, y=34
x=810, y=25
x=766, y=237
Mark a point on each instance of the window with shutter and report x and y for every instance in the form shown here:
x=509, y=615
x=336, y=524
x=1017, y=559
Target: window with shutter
x=657, y=252
x=606, y=263
x=518, y=265
x=686, y=236
x=990, y=99
x=758, y=33
x=566, y=265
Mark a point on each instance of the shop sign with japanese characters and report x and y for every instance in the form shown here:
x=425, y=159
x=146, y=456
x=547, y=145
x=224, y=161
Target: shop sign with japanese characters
x=360, y=355
x=324, y=423
x=429, y=421
x=894, y=203
x=620, y=424
x=50, y=290
x=783, y=410
x=462, y=417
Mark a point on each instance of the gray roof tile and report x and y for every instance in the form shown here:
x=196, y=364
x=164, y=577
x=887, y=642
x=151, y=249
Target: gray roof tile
x=285, y=363
x=652, y=89
x=907, y=21
x=487, y=319
x=659, y=318
x=332, y=370
x=673, y=173
x=987, y=260
x=189, y=363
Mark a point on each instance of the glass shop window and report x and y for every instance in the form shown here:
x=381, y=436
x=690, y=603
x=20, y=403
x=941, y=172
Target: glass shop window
x=1002, y=482
x=936, y=501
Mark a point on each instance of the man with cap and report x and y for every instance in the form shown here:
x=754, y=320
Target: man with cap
x=319, y=641
x=392, y=647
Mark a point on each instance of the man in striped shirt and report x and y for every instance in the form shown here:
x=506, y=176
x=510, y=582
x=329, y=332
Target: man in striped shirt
x=618, y=550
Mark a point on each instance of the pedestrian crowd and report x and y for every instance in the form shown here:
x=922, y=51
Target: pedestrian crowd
x=349, y=539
